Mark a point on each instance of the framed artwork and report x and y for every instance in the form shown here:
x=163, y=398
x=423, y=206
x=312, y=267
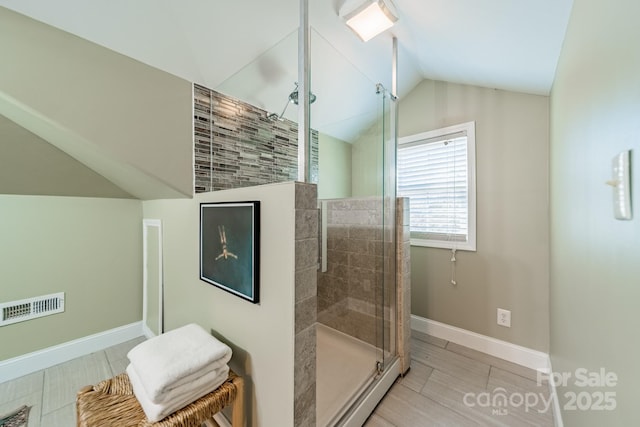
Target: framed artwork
x=230, y=247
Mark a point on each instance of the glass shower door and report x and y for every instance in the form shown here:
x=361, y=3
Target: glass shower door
x=348, y=287
x=386, y=314
x=356, y=281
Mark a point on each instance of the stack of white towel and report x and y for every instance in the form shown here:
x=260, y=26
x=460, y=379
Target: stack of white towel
x=170, y=371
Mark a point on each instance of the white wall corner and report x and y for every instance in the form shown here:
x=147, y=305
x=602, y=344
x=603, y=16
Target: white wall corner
x=147, y=332
x=51, y=356
x=557, y=412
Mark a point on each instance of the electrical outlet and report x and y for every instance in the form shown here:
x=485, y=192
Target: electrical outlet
x=504, y=317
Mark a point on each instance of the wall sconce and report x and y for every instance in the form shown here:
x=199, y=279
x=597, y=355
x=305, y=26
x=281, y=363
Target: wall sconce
x=370, y=19
x=621, y=183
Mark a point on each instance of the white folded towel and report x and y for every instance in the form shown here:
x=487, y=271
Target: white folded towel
x=194, y=381
x=164, y=361
x=154, y=411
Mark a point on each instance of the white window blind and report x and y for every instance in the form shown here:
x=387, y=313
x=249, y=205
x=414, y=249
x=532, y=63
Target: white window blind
x=435, y=170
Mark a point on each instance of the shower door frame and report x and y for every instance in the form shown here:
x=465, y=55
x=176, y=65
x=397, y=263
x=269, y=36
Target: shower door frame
x=386, y=317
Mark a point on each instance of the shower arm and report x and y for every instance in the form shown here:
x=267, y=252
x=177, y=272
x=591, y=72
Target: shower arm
x=290, y=101
x=293, y=99
x=381, y=89
x=284, y=110
x=273, y=116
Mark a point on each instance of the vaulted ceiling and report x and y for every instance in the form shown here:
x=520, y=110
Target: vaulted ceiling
x=248, y=48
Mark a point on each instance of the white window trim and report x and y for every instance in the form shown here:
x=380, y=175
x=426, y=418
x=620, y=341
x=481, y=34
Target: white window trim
x=470, y=128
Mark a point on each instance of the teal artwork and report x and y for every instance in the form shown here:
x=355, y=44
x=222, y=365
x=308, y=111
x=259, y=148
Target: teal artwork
x=229, y=247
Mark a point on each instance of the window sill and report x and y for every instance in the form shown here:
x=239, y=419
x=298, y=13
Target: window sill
x=459, y=246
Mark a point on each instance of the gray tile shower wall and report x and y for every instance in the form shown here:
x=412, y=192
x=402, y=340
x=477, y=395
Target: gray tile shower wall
x=235, y=145
x=306, y=236
x=403, y=282
x=350, y=288
x=350, y=291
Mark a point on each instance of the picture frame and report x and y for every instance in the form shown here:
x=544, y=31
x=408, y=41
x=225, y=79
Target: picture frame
x=230, y=247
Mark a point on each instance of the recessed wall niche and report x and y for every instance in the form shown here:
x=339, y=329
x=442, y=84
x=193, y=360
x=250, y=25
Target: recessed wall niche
x=236, y=145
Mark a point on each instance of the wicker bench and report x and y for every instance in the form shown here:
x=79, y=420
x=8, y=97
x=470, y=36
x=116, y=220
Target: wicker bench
x=112, y=403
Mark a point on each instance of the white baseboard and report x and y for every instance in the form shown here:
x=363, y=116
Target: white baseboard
x=45, y=358
x=504, y=350
x=147, y=332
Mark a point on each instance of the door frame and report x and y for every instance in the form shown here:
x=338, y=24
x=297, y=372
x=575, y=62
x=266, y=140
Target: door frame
x=147, y=226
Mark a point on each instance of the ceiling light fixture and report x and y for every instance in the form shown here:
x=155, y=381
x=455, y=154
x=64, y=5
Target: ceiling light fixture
x=370, y=19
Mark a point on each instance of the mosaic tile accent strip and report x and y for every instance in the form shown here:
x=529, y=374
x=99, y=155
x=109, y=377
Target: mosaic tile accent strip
x=235, y=145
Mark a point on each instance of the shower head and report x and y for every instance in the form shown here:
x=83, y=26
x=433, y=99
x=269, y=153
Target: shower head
x=293, y=99
x=293, y=96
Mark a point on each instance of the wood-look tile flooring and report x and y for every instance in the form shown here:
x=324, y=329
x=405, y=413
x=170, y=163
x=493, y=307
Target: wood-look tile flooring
x=51, y=393
x=443, y=373
x=431, y=394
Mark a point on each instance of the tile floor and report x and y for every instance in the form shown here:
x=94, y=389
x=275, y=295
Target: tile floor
x=443, y=373
x=51, y=393
x=431, y=394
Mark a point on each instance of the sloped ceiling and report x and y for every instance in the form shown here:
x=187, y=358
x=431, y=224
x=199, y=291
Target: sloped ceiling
x=248, y=49
x=125, y=120
x=242, y=44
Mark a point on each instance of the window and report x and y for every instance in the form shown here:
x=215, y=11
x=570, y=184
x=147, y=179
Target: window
x=436, y=170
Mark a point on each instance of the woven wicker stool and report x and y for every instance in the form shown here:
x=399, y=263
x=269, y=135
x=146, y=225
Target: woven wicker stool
x=112, y=403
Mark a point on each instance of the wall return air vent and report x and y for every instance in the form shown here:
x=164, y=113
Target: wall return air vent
x=31, y=308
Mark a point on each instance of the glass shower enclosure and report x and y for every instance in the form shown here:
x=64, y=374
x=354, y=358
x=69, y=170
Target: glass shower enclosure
x=352, y=150
x=356, y=201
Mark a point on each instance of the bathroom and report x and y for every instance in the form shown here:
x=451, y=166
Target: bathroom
x=345, y=316
x=84, y=175
x=273, y=341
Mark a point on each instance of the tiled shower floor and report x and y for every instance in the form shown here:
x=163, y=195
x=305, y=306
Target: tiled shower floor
x=344, y=366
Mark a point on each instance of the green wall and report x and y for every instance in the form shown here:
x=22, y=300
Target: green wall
x=510, y=268
x=123, y=119
x=77, y=119
x=89, y=248
x=261, y=335
x=595, y=268
x=367, y=162
x=334, y=168
x=32, y=166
